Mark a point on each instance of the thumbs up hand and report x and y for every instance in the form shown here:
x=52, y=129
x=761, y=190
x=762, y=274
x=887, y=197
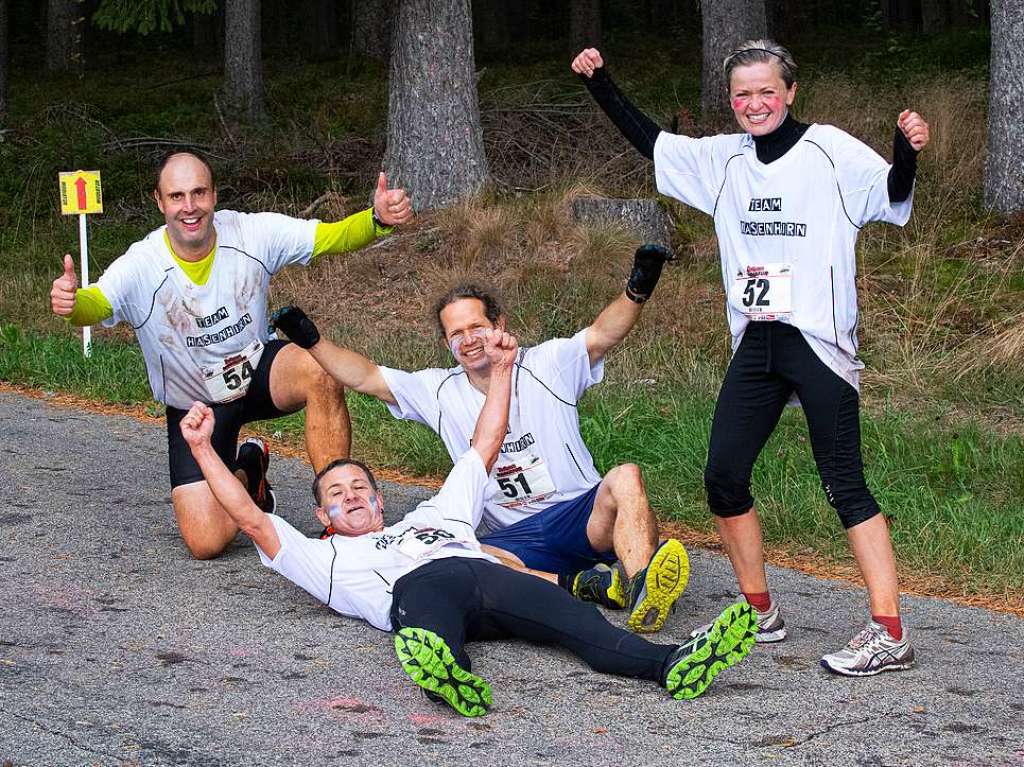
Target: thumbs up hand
x=391, y=206
x=62, y=295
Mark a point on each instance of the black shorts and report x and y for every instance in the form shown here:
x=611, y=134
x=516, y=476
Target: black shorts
x=256, y=405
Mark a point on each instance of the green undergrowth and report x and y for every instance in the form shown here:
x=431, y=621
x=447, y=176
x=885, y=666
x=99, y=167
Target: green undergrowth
x=952, y=494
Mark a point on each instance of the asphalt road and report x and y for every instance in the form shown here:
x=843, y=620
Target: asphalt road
x=117, y=648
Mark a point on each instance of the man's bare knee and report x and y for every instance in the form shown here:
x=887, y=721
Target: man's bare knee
x=626, y=481
x=324, y=386
x=205, y=549
x=205, y=527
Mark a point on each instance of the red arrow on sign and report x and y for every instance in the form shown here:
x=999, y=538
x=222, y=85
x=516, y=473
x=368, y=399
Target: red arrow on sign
x=83, y=203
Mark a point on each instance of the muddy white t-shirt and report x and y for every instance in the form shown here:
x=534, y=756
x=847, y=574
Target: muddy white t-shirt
x=355, y=576
x=787, y=229
x=202, y=342
x=543, y=460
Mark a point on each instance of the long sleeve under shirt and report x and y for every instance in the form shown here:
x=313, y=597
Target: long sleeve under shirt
x=642, y=132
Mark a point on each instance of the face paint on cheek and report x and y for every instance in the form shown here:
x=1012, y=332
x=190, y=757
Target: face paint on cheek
x=739, y=103
x=334, y=513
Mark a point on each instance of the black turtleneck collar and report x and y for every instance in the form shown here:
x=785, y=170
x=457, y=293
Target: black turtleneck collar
x=772, y=146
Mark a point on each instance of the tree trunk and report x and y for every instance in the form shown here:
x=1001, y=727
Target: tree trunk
x=934, y=16
x=1004, y=170
x=64, y=24
x=5, y=58
x=726, y=23
x=371, y=28
x=243, y=61
x=584, y=25
x=435, y=143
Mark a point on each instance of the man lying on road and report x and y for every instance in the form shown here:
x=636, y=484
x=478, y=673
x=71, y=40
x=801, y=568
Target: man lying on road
x=547, y=508
x=427, y=578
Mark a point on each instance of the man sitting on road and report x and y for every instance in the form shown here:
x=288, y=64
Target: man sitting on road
x=195, y=293
x=547, y=508
x=428, y=579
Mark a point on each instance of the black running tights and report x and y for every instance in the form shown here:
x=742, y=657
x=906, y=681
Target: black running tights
x=462, y=599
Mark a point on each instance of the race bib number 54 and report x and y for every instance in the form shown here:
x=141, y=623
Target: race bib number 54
x=763, y=292
x=231, y=379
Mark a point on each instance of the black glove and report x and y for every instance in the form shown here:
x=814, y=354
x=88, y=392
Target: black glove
x=294, y=323
x=647, y=265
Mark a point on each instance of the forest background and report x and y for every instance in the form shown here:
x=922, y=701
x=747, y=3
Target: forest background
x=300, y=104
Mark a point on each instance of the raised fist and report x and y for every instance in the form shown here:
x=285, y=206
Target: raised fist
x=586, y=61
x=914, y=128
x=647, y=266
x=294, y=323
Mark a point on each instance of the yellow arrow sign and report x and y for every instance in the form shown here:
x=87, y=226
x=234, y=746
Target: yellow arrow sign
x=80, y=192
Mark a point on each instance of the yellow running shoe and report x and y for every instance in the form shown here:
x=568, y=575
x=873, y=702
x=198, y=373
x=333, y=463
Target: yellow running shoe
x=654, y=590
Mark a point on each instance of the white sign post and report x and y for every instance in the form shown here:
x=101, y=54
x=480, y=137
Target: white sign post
x=81, y=193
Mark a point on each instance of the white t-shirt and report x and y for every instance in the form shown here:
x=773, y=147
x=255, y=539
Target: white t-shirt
x=192, y=336
x=786, y=230
x=355, y=576
x=543, y=460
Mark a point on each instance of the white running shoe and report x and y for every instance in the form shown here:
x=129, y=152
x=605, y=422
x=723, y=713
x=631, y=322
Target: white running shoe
x=770, y=626
x=871, y=652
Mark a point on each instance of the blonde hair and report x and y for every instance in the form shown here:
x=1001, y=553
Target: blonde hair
x=762, y=51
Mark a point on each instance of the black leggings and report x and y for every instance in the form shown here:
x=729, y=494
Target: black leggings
x=464, y=600
x=772, y=362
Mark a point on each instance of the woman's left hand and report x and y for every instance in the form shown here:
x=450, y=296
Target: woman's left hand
x=914, y=128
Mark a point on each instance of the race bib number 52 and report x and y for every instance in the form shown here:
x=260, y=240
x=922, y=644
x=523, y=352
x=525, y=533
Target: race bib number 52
x=763, y=292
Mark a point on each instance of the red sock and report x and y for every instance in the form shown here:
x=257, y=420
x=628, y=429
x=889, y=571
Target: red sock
x=892, y=624
x=761, y=601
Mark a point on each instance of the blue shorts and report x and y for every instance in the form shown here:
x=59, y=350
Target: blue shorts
x=554, y=540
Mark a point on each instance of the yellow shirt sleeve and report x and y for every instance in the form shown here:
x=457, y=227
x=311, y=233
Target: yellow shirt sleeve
x=352, y=233
x=91, y=307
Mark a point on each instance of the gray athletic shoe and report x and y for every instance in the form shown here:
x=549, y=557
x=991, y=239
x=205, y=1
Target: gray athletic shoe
x=770, y=626
x=871, y=652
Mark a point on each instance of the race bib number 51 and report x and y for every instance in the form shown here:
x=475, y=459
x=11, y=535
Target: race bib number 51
x=231, y=379
x=763, y=292
x=521, y=482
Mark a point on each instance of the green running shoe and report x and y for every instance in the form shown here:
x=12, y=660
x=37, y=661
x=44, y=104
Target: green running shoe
x=601, y=584
x=654, y=590
x=694, y=666
x=429, y=662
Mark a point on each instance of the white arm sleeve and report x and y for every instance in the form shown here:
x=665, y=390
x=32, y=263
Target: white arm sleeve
x=686, y=169
x=863, y=178
x=284, y=240
x=460, y=499
x=563, y=366
x=415, y=394
x=306, y=562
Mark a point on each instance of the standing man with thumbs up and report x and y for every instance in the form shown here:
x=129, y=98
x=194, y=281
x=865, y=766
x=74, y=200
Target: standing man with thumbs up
x=195, y=293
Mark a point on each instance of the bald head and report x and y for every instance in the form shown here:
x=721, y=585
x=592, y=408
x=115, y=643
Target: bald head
x=184, y=160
